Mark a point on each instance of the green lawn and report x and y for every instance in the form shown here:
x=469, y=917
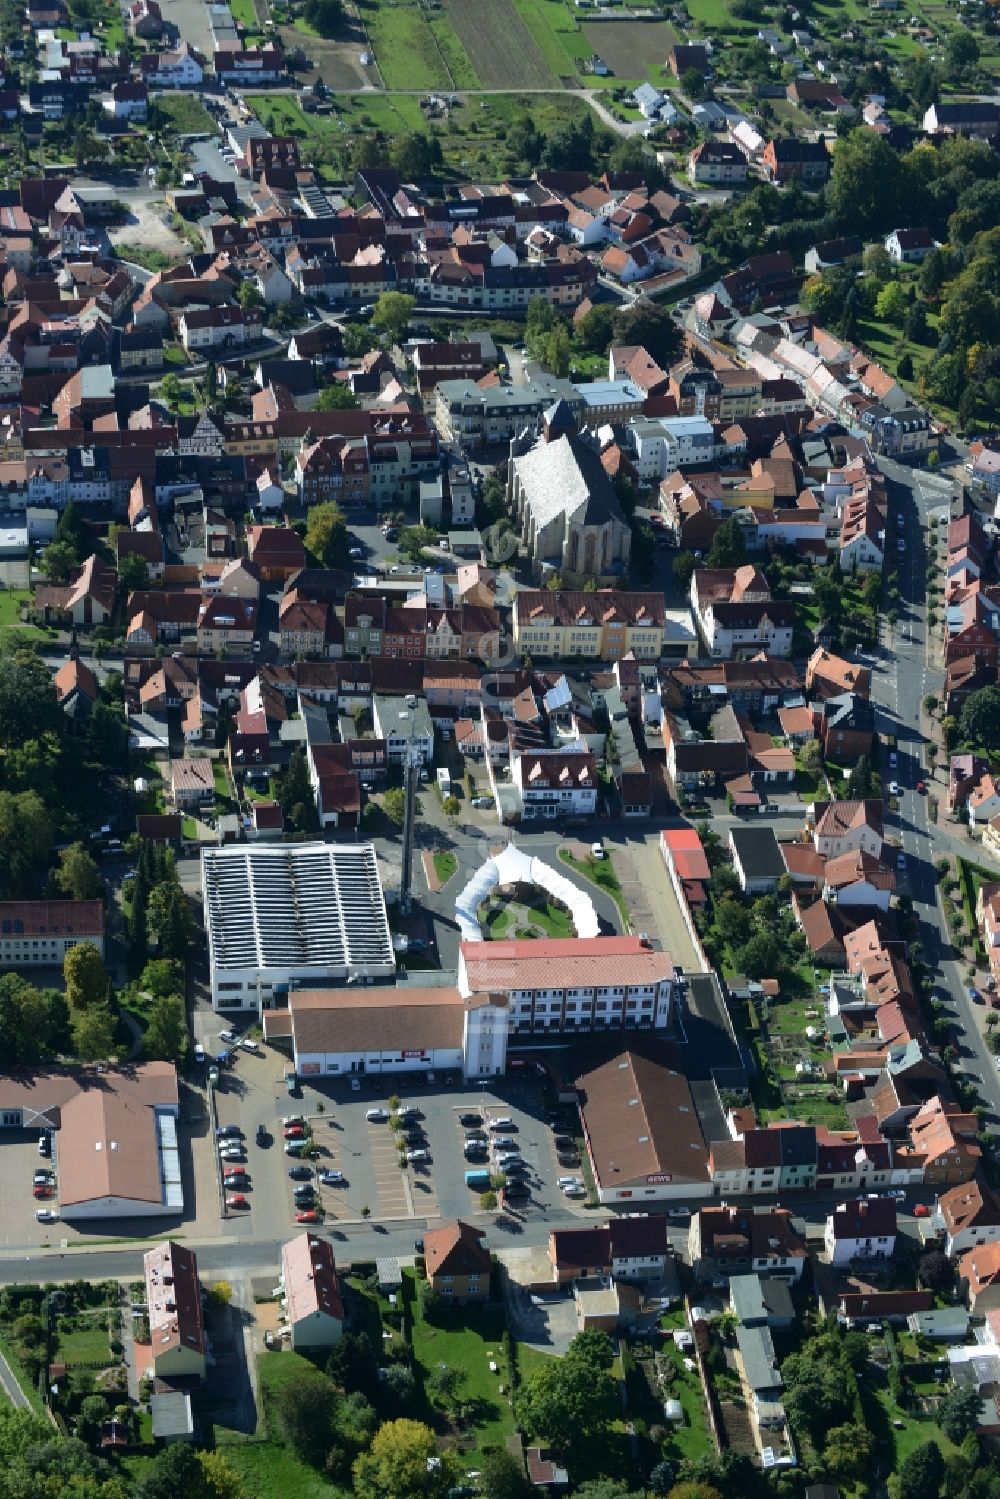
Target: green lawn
x=11, y=600
x=150, y=260
x=404, y=45
x=465, y=1338
x=600, y=872
x=445, y=865
x=244, y=13
x=270, y=1470
x=693, y=1439
x=88, y=1346
x=184, y=113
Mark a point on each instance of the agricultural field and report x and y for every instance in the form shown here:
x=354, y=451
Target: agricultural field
x=408, y=51
x=557, y=35
x=635, y=51
x=499, y=44
x=336, y=59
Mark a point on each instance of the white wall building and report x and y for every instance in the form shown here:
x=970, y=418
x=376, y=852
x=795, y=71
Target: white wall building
x=295, y=914
x=862, y=1229
x=338, y=1032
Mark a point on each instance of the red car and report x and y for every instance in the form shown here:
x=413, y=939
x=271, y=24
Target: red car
x=237, y=1201
x=43, y=1191
x=921, y=785
x=921, y=1210
x=309, y=1215
x=295, y=1132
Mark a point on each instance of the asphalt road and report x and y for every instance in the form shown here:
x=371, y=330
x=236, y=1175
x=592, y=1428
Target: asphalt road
x=904, y=672
x=12, y=1389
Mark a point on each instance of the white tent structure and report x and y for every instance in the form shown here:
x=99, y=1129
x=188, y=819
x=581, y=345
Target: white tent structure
x=512, y=866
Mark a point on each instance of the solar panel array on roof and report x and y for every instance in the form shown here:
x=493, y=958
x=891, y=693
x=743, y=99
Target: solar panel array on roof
x=310, y=906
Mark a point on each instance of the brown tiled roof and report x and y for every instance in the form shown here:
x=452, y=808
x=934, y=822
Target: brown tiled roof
x=564, y=962
x=379, y=1019
x=640, y=1121
x=52, y=918
x=970, y=1205
x=173, y=1298
x=455, y=1249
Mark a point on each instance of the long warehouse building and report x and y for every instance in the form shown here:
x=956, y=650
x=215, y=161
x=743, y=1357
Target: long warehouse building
x=299, y=914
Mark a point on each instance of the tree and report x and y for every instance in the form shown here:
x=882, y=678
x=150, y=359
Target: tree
x=847, y=1452
x=915, y=322
x=649, y=324
x=413, y=539
x=85, y=976
x=398, y=1386
x=694, y=1490
x=593, y=1348
x=26, y=834
x=904, y=366
x=392, y=314
x=337, y=396
x=358, y=340
x=961, y=51
x=692, y=83
x=683, y=568
x=58, y=562
x=324, y=16
x=557, y=351
x=403, y=1462
x=161, y=977
x=305, y=1409
x=220, y=1479
x=72, y=529
x=936, y=1271
x=732, y=922
x=921, y=1472
x=166, y=1038
x=326, y=534
x=169, y=917
x=728, y=547
x=415, y=156
x=811, y=756
x=959, y=1412
x=78, y=876
x=979, y=720
x=891, y=303
x=93, y=1412
x=94, y=1031
x=352, y=1363
x=594, y=331
x=174, y=1471
x=105, y=735
x=132, y=573
x=443, y=1384
x=355, y=1421
x=661, y=1479
x=863, y=190
x=564, y=1398
x=876, y=262
x=295, y=791
x=502, y=1477
x=394, y=804
x=249, y=296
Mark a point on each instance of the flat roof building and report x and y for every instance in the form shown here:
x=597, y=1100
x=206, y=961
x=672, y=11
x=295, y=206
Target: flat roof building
x=287, y=915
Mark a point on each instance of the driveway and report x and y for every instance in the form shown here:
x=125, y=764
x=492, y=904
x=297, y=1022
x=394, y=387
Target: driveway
x=547, y=1324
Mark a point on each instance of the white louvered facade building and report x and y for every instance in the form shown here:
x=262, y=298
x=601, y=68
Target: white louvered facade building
x=289, y=916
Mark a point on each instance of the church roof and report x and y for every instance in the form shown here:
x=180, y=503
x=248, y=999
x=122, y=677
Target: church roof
x=567, y=478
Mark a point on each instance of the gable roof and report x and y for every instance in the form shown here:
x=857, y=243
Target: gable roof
x=456, y=1249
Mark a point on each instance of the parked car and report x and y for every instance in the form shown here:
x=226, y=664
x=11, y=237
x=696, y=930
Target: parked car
x=377, y=1116
x=503, y=1142
x=227, y=1036
x=213, y=1075
x=246, y=1044
x=921, y=1210
x=237, y=1201
x=300, y=1173
x=580, y=1191
x=896, y=1193
x=43, y=1177
x=414, y=1156
x=470, y=1121
x=296, y=1132
x=597, y=850
x=199, y=1053
x=294, y=1147
x=568, y=1181
x=262, y=1135
x=502, y=1124
x=308, y=1215
x=226, y=1131
x=679, y=1210
x=482, y=803
x=46, y=1215
x=44, y=1189
x=44, y=1144
x=516, y=1189
x=333, y=1178
x=893, y=788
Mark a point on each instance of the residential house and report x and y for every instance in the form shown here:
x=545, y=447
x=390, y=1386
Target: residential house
x=303, y=625
x=828, y=675
x=202, y=328
x=555, y=783
x=713, y=162
x=192, y=783
x=845, y=726
x=979, y=1278
x=736, y=615
x=910, y=246
x=174, y=1310
x=756, y=859
x=944, y=1141
x=605, y=625
x=970, y=1216
x=725, y=1241
x=858, y=879
x=77, y=689
x=311, y=1301
x=623, y=1248
x=789, y=158
x=459, y=1266
x=863, y=1228
x=277, y=552
x=226, y=624
x=848, y=827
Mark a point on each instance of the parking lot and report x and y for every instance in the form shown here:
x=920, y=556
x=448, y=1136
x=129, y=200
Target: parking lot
x=18, y=1224
x=366, y=1151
